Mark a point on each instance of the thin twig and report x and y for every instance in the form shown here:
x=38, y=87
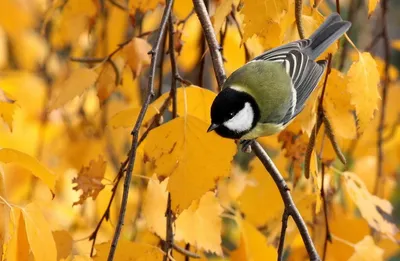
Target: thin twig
x=338, y=6
x=222, y=35
x=346, y=45
x=132, y=155
x=169, y=237
x=213, y=45
x=298, y=10
x=328, y=236
x=287, y=199
x=385, y=88
x=174, y=66
x=161, y=65
x=185, y=251
x=285, y=218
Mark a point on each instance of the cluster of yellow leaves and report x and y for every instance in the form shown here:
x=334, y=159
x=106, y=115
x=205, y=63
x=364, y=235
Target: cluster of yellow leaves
x=67, y=129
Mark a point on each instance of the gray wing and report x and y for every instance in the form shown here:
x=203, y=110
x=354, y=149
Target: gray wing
x=304, y=72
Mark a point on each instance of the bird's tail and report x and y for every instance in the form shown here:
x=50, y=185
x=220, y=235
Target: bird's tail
x=329, y=31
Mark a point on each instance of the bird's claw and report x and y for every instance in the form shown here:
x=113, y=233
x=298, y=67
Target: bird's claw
x=246, y=145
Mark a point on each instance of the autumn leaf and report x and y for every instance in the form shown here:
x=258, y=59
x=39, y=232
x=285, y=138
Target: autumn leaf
x=127, y=118
x=372, y=6
x=155, y=204
x=253, y=244
x=64, y=242
x=262, y=18
x=204, y=213
x=178, y=149
x=107, y=81
x=363, y=88
x=377, y=211
x=366, y=249
x=136, y=54
x=89, y=180
x=338, y=107
x=190, y=224
x=30, y=163
x=222, y=11
x=143, y=5
x=78, y=81
x=128, y=250
x=191, y=100
x=7, y=107
x=396, y=44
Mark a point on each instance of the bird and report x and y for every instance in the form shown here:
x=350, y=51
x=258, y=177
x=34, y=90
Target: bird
x=263, y=96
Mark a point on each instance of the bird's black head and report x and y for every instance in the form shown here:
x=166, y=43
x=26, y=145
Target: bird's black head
x=233, y=113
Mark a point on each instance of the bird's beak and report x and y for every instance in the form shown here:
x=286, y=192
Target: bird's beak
x=212, y=127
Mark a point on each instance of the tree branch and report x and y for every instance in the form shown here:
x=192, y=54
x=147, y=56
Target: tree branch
x=135, y=132
x=385, y=87
x=285, y=219
x=212, y=42
x=290, y=207
x=298, y=12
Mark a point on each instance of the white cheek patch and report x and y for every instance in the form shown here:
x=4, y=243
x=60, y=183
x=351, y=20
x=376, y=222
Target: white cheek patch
x=242, y=121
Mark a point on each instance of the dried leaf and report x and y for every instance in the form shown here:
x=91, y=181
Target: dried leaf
x=377, y=211
x=179, y=149
x=89, y=180
x=136, y=54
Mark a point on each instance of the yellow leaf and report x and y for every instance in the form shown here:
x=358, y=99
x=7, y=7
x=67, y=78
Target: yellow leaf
x=89, y=180
x=223, y=9
x=154, y=206
x=7, y=108
x=376, y=211
x=338, y=107
x=74, y=85
x=260, y=188
x=128, y=251
x=191, y=35
x=193, y=101
x=127, y=118
x=396, y=44
x=363, y=87
x=182, y=8
x=191, y=224
x=183, y=150
x=253, y=245
x=39, y=234
x=366, y=250
x=63, y=242
x=17, y=248
x=30, y=163
x=15, y=17
x=130, y=88
x=262, y=18
x=372, y=6
x=136, y=54
x=106, y=83
x=234, y=52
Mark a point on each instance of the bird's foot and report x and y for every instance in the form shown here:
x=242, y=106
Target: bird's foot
x=246, y=145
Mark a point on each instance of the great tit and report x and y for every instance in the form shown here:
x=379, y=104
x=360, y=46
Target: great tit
x=262, y=97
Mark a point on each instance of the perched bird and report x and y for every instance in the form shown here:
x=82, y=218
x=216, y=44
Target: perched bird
x=263, y=96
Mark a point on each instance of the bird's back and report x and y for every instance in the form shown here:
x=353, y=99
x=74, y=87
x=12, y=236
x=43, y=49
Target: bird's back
x=270, y=86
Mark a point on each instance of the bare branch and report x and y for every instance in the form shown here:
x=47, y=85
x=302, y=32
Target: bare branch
x=135, y=132
x=213, y=45
x=285, y=218
x=385, y=87
x=185, y=252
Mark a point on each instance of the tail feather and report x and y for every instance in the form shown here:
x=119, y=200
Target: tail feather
x=331, y=30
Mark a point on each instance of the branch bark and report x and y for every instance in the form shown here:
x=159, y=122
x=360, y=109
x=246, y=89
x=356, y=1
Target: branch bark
x=213, y=46
x=135, y=132
x=290, y=207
